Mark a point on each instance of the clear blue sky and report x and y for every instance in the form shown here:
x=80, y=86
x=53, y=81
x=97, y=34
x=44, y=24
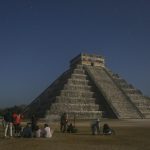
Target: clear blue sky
x=39, y=37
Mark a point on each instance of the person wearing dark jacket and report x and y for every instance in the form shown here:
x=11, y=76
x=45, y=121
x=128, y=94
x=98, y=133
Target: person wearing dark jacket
x=27, y=131
x=106, y=129
x=8, y=123
x=63, y=122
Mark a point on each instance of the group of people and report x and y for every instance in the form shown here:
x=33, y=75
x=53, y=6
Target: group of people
x=12, y=120
x=38, y=132
x=13, y=127
x=96, y=128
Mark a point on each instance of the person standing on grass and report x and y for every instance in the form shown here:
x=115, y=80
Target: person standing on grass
x=8, y=123
x=33, y=122
x=95, y=127
x=63, y=122
x=16, y=123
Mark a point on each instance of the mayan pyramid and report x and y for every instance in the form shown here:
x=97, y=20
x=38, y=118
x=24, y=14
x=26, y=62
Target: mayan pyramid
x=88, y=89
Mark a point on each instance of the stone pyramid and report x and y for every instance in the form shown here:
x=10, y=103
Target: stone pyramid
x=89, y=90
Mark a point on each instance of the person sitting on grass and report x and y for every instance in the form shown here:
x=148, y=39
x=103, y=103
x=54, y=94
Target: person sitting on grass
x=37, y=132
x=107, y=130
x=27, y=131
x=47, y=132
x=71, y=128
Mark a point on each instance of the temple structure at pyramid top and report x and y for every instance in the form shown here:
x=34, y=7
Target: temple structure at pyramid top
x=87, y=90
x=88, y=59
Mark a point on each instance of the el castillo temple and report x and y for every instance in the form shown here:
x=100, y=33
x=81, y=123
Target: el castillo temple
x=88, y=89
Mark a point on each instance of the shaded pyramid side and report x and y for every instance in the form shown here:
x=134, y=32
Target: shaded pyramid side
x=42, y=103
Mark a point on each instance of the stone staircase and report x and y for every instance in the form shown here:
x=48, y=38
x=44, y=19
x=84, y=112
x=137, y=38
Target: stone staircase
x=136, y=97
x=119, y=102
x=76, y=97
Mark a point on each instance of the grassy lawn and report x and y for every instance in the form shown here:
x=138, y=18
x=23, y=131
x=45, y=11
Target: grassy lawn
x=129, y=136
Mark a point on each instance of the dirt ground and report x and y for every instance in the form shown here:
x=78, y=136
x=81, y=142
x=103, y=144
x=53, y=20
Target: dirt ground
x=130, y=135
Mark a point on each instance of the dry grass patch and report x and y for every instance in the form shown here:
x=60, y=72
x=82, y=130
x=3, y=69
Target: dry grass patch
x=126, y=138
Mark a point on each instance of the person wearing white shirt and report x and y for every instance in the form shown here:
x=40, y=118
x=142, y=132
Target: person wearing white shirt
x=38, y=132
x=47, y=131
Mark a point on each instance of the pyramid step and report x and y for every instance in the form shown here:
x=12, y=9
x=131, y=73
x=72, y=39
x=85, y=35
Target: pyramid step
x=135, y=95
x=73, y=93
x=77, y=87
x=147, y=115
x=62, y=107
x=131, y=91
x=144, y=109
x=129, y=116
x=79, y=76
x=78, y=82
x=84, y=114
x=64, y=99
x=79, y=67
x=78, y=71
x=142, y=104
x=137, y=100
x=73, y=115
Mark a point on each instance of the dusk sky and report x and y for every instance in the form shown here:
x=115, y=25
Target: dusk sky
x=38, y=38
